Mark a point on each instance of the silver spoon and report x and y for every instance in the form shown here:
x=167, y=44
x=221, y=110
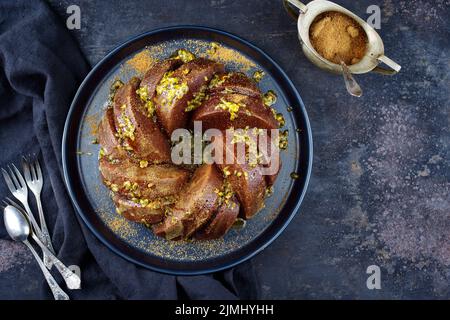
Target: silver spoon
x=18, y=229
x=350, y=83
x=72, y=280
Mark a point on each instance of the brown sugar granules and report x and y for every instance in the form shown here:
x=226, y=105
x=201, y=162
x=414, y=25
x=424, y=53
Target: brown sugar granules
x=142, y=61
x=336, y=37
x=228, y=55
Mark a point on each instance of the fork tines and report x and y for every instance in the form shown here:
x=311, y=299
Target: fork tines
x=31, y=168
x=14, y=179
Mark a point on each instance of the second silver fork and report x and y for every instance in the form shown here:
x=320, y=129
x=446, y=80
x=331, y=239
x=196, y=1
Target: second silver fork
x=33, y=176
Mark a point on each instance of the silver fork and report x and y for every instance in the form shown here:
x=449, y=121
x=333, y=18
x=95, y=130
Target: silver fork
x=10, y=202
x=33, y=177
x=18, y=187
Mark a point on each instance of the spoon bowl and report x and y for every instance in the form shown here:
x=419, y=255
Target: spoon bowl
x=351, y=85
x=16, y=224
x=19, y=229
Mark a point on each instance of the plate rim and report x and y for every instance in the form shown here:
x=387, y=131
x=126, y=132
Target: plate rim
x=293, y=211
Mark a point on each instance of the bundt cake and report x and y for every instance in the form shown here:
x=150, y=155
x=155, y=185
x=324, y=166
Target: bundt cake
x=201, y=201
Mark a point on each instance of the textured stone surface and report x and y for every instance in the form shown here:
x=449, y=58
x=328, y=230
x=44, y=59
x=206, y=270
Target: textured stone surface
x=379, y=192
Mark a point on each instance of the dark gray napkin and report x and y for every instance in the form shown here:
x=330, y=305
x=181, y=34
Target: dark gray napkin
x=41, y=67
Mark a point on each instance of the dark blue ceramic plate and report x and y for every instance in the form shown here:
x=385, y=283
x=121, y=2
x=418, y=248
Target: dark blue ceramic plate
x=133, y=241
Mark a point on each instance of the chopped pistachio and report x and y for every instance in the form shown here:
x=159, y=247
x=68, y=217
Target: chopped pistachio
x=217, y=80
x=197, y=100
x=127, y=147
x=231, y=107
x=226, y=172
x=143, y=163
x=145, y=223
x=113, y=89
x=151, y=108
x=239, y=223
x=172, y=88
x=101, y=153
x=136, y=193
x=112, y=160
x=184, y=55
x=269, y=98
x=149, y=105
x=280, y=119
x=213, y=48
x=269, y=191
x=127, y=185
x=143, y=93
x=258, y=75
x=126, y=128
x=114, y=187
x=116, y=85
x=225, y=194
x=283, y=140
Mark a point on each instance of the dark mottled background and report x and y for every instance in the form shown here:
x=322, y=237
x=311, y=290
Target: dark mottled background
x=379, y=192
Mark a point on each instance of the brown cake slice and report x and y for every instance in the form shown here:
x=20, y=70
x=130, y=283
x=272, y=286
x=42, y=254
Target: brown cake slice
x=140, y=135
x=146, y=212
x=128, y=179
x=108, y=138
x=195, y=206
x=225, y=110
x=266, y=154
x=271, y=178
x=234, y=82
x=246, y=180
x=154, y=75
x=221, y=222
x=176, y=90
x=250, y=187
